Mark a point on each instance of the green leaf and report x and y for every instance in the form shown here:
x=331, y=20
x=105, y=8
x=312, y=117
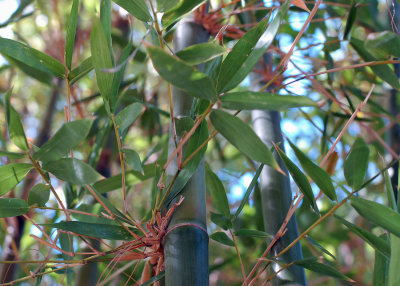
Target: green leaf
x=15, y=128
x=12, y=155
x=105, y=19
x=381, y=267
x=390, y=192
x=376, y=242
x=218, y=193
x=240, y=135
x=39, y=195
x=31, y=57
x=350, y=20
x=299, y=178
x=319, y=175
x=72, y=170
x=133, y=160
x=80, y=71
x=313, y=265
x=30, y=71
x=319, y=246
x=248, y=193
x=252, y=232
x=200, y=53
x=247, y=52
x=13, y=207
x=356, y=164
x=221, y=237
x=71, y=32
x=382, y=71
x=221, y=220
x=383, y=44
x=378, y=214
x=137, y=8
x=182, y=8
x=95, y=209
x=182, y=75
x=11, y=175
x=127, y=116
x=66, y=138
x=263, y=100
x=101, y=57
x=394, y=265
x=105, y=231
x=154, y=279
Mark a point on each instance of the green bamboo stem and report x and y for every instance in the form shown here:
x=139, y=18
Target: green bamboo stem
x=186, y=242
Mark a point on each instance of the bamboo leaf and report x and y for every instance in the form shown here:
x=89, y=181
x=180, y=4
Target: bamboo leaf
x=247, y=52
x=80, y=71
x=382, y=71
x=133, y=160
x=137, y=8
x=30, y=71
x=31, y=57
x=72, y=170
x=221, y=237
x=12, y=207
x=221, y=220
x=381, y=267
x=105, y=20
x=154, y=279
x=12, y=155
x=356, y=164
x=66, y=138
x=378, y=214
x=319, y=246
x=127, y=116
x=11, y=175
x=351, y=18
x=101, y=57
x=71, y=32
x=104, y=231
x=182, y=8
x=95, y=209
x=39, y=195
x=14, y=125
x=313, y=265
x=390, y=192
x=394, y=264
x=263, y=100
x=383, y=44
x=252, y=232
x=299, y=178
x=376, y=242
x=218, y=193
x=200, y=53
x=182, y=75
x=319, y=175
x=240, y=135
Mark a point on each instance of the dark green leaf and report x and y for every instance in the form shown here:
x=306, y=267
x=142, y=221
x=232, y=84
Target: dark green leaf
x=381, y=268
x=390, y=192
x=105, y=19
x=240, y=135
x=376, y=242
x=72, y=170
x=383, y=71
x=71, y=31
x=15, y=128
x=133, y=160
x=200, y=53
x=154, y=279
x=218, y=193
x=394, y=265
x=356, y=164
x=12, y=155
x=96, y=209
x=182, y=8
x=11, y=175
x=105, y=231
x=182, y=75
x=247, y=52
x=65, y=139
x=378, y=214
x=313, y=265
x=80, y=71
x=30, y=71
x=351, y=18
x=127, y=116
x=31, y=57
x=263, y=100
x=221, y=237
x=252, y=232
x=383, y=44
x=13, y=207
x=319, y=175
x=323, y=249
x=221, y=220
x=137, y=8
x=39, y=195
x=299, y=178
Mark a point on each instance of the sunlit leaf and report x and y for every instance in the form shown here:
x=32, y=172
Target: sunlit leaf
x=313, y=265
x=12, y=155
x=356, y=164
x=182, y=8
x=71, y=31
x=200, y=53
x=11, y=175
x=251, y=232
x=137, y=8
x=383, y=44
x=80, y=71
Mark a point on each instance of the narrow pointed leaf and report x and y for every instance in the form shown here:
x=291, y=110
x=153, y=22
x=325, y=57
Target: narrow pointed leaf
x=381, y=267
x=105, y=19
x=319, y=175
x=221, y=237
x=11, y=175
x=14, y=125
x=383, y=44
x=313, y=265
x=263, y=100
x=96, y=209
x=12, y=207
x=182, y=75
x=182, y=8
x=376, y=242
x=200, y=53
x=350, y=21
x=394, y=265
x=378, y=214
x=30, y=71
x=12, y=155
x=31, y=57
x=319, y=246
x=221, y=220
x=240, y=135
x=390, y=192
x=133, y=160
x=80, y=71
x=137, y=8
x=39, y=195
x=300, y=179
x=252, y=232
x=154, y=279
x=127, y=116
x=65, y=139
x=356, y=164
x=71, y=32
x=73, y=171
x=218, y=193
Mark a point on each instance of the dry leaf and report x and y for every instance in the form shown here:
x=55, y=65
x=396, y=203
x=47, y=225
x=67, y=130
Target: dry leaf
x=300, y=4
